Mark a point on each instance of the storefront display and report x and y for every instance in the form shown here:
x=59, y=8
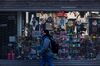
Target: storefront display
x=94, y=25
x=68, y=31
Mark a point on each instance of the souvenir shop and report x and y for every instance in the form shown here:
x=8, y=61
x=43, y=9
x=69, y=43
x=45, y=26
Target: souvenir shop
x=70, y=22
x=67, y=28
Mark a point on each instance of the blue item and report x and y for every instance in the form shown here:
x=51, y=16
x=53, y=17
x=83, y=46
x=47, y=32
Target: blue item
x=46, y=59
x=46, y=53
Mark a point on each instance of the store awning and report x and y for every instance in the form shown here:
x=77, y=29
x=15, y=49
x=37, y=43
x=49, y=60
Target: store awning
x=34, y=5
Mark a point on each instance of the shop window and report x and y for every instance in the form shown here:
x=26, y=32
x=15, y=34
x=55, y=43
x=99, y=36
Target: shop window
x=67, y=30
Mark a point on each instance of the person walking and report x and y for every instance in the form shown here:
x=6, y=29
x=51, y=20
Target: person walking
x=45, y=51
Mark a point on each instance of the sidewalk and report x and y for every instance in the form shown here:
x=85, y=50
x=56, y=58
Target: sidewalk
x=56, y=62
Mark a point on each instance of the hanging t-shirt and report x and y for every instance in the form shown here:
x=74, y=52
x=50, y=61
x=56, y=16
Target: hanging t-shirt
x=43, y=26
x=63, y=22
x=50, y=20
x=43, y=16
x=35, y=23
x=71, y=15
x=78, y=27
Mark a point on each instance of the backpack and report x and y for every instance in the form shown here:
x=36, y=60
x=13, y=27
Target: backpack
x=54, y=46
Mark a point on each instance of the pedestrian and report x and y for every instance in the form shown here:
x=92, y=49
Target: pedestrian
x=45, y=52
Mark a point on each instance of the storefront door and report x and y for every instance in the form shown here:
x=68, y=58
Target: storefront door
x=3, y=37
x=8, y=27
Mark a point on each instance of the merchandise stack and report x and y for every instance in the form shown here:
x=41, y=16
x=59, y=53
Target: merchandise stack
x=61, y=40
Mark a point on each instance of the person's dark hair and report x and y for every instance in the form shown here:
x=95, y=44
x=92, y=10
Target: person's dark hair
x=46, y=31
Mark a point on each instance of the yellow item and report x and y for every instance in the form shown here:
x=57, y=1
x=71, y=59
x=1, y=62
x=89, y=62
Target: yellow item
x=94, y=36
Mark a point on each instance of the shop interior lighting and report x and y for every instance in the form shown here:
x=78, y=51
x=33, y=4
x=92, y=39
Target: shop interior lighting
x=96, y=12
x=27, y=15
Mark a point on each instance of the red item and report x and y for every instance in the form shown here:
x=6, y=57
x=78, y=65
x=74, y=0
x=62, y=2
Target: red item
x=13, y=56
x=9, y=56
x=65, y=15
x=61, y=14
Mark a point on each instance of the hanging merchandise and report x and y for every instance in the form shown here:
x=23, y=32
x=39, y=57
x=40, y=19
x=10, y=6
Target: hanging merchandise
x=75, y=30
x=99, y=27
x=34, y=22
x=83, y=20
x=93, y=26
x=70, y=23
x=50, y=20
x=81, y=28
x=78, y=27
x=42, y=24
x=71, y=15
x=94, y=23
x=36, y=34
x=43, y=16
x=49, y=26
x=66, y=31
x=62, y=22
x=49, y=23
x=61, y=14
x=74, y=40
x=70, y=26
x=82, y=13
x=76, y=14
x=65, y=15
x=37, y=28
x=94, y=29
